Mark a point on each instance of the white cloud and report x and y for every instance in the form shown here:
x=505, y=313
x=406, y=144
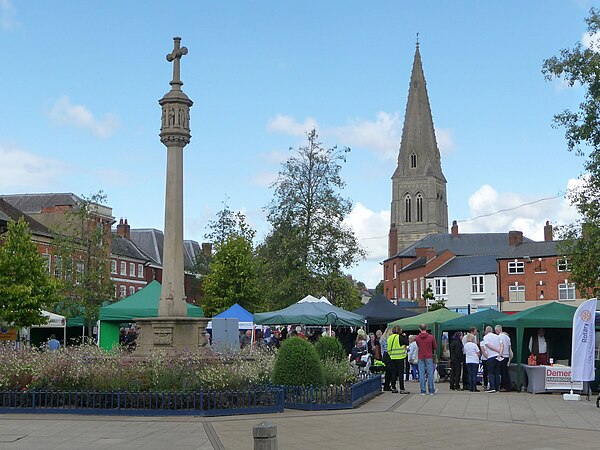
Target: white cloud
x=500, y=212
x=288, y=125
x=591, y=41
x=371, y=228
x=445, y=140
x=8, y=15
x=264, y=179
x=22, y=170
x=275, y=156
x=382, y=136
x=63, y=112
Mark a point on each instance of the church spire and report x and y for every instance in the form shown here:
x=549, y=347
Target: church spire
x=419, y=206
x=419, y=153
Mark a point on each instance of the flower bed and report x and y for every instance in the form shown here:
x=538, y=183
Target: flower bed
x=332, y=397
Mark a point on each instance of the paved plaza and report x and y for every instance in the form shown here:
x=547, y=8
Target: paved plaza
x=449, y=420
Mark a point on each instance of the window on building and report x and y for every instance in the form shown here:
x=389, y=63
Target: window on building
x=415, y=287
x=395, y=292
x=123, y=270
x=57, y=266
x=395, y=272
x=563, y=265
x=47, y=262
x=539, y=265
x=131, y=269
x=422, y=285
x=408, y=289
x=131, y=290
x=516, y=293
x=140, y=271
x=440, y=286
x=407, y=209
x=413, y=160
x=403, y=289
x=419, y=208
x=113, y=266
x=78, y=271
x=477, y=284
x=122, y=291
x=566, y=291
x=515, y=267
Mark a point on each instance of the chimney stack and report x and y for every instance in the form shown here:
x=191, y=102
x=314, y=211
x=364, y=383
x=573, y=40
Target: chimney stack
x=548, y=232
x=393, y=241
x=206, y=249
x=123, y=229
x=454, y=228
x=425, y=252
x=515, y=238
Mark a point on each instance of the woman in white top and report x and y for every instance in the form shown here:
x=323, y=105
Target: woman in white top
x=472, y=362
x=413, y=357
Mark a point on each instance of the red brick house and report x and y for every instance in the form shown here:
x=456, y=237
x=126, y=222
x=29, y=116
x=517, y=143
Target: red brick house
x=533, y=273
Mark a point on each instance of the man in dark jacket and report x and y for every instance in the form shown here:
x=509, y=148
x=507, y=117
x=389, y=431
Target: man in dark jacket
x=456, y=360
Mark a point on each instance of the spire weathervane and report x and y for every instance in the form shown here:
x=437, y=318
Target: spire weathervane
x=175, y=57
x=417, y=40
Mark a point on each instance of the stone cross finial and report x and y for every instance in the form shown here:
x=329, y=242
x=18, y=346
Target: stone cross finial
x=175, y=56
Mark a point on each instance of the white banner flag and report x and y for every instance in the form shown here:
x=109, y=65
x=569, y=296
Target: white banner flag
x=584, y=342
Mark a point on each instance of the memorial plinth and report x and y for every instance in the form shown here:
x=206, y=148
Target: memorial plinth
x=172, y=331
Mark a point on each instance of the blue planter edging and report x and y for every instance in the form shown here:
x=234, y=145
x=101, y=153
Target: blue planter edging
x=267, y=399
x=312, y=398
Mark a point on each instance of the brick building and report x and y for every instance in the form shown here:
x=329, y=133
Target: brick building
x=533, y=273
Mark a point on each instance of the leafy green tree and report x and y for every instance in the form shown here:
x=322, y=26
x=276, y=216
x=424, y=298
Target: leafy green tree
x=82, y=248
x=340, y=290
x=581, y=241
x=379, y=287
x=309, y=245
x=440, y=304
x=428, y=295
x=26, y=288
x=233, y=274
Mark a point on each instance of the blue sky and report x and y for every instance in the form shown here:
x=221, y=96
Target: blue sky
x=80, y=83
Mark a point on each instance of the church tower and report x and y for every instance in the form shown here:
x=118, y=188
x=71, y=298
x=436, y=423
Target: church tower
x=419, y=205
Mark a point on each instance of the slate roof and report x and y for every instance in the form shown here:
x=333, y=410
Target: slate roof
x=33, y=203
x=467, y=265
x=125, y=247
x=532, y=249
x=9, y=212
x=150, y=241
x=465, y=244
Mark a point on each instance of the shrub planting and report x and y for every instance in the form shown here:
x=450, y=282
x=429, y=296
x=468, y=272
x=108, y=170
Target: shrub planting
x=331, y=348
x=297, y=364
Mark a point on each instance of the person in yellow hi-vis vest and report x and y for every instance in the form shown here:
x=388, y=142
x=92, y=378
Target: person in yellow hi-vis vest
x=397, y=343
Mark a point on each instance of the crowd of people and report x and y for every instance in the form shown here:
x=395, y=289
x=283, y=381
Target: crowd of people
x=402, y=358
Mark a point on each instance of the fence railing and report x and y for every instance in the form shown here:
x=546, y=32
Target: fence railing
x=267, y=399
x=331, y=397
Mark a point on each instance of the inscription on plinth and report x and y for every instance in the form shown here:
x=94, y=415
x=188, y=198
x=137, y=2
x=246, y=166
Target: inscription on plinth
x=163, y=336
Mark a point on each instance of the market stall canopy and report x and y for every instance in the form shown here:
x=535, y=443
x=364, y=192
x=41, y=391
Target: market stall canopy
x=54, y=320
x=479, y=319
x=549, y=315
x=380, y=310
x=431, y=319
x=245, y=317
x=310, y=311
x=142, y=304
